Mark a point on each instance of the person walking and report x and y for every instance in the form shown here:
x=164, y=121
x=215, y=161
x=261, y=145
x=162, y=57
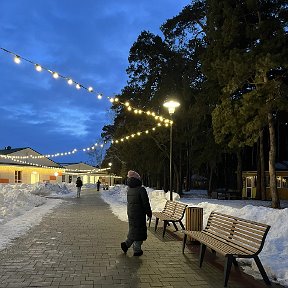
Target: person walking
x=79, y=184
x=138, y=207
x=98, y=185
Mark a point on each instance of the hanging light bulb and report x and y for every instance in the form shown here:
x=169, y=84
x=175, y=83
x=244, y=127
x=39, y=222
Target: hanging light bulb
x=17, y=59
x=78, y=86
x=90, y=89
x=38, y=68
x=55, y=75
x=70, y=81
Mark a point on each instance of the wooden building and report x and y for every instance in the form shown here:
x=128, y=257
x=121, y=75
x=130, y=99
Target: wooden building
x=250, y=181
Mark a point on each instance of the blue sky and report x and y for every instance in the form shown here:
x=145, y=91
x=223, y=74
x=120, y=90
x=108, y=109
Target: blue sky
x=86, y=40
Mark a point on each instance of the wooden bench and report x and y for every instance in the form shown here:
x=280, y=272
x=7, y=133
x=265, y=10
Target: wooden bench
x=233, y=238
x=173, y=212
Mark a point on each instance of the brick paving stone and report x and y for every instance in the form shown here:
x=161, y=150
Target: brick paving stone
x=78, y=245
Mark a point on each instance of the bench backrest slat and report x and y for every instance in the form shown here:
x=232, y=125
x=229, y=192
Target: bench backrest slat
x=169, y=207
x=179, y=210
x=240, y=233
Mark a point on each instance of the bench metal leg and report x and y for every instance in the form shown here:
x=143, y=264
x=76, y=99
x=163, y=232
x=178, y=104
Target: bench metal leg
x=235, y=262
x=164, y=227
x=184, y=243
x=156, y=223
x=202, y=253
x=181, y=224
x=227, y=269
x=175, y=226
x=262, y=270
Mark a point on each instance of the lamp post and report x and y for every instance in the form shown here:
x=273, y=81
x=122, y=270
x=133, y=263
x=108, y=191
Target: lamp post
x=110, y=164
x=171, y=105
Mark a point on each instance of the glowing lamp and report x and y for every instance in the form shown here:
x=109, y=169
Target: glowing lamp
x=38, y=68
x=171, y=106
x=17, y=59
x=55, y=75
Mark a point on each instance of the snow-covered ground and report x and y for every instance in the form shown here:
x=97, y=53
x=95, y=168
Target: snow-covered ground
x=22, y=206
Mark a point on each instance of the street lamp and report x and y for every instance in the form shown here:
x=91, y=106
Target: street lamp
x=110, y=164
x=171, y=105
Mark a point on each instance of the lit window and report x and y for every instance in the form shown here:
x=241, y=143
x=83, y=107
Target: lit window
x=285, y=182
x=278, y=179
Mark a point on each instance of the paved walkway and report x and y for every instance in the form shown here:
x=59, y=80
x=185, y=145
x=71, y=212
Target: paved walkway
x=78, y=245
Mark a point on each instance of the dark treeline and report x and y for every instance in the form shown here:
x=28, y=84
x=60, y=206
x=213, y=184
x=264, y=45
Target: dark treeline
x=226, y=63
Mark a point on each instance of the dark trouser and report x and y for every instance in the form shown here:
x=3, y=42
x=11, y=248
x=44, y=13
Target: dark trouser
x=136, y=245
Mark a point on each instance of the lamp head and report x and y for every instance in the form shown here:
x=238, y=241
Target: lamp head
x=171, y=105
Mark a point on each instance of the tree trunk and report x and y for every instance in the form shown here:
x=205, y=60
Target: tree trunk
x=259, y=174
x=210, y=180
x=239, y=172
x=262, y=168
x=187, y=174
x=272, y=155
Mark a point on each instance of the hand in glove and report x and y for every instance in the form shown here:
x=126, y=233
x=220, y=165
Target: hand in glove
x=149, y=214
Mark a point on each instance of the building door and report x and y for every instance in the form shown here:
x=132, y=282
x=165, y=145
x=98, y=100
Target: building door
x=18, y=176
x=249, y=187
x=34, y=177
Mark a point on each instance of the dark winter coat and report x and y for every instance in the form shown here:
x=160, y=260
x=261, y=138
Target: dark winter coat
x=138, y=207
x=79, y=183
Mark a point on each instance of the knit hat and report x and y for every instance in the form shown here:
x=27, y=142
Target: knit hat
x=133, y=174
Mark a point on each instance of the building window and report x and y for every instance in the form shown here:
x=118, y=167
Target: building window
x=267, y=181
x=63, y=178
x=278, y=180
x=18, y=176
x=285, y=182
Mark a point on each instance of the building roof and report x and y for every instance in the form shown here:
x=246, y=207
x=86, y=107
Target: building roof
x=38, y=161
x=9, y=150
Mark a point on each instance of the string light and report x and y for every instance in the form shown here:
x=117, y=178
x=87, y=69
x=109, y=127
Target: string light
x=60, y=154
x=38, y=67
x=56, y=75
x=93, y=147
x=17, y=59
x=139, y=133
x=57, y=168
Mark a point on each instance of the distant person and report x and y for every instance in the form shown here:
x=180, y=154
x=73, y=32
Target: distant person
x=98, y=185
x=79, y=185
x=138, y=207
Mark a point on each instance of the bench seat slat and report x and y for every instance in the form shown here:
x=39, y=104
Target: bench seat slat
x=218, y=245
